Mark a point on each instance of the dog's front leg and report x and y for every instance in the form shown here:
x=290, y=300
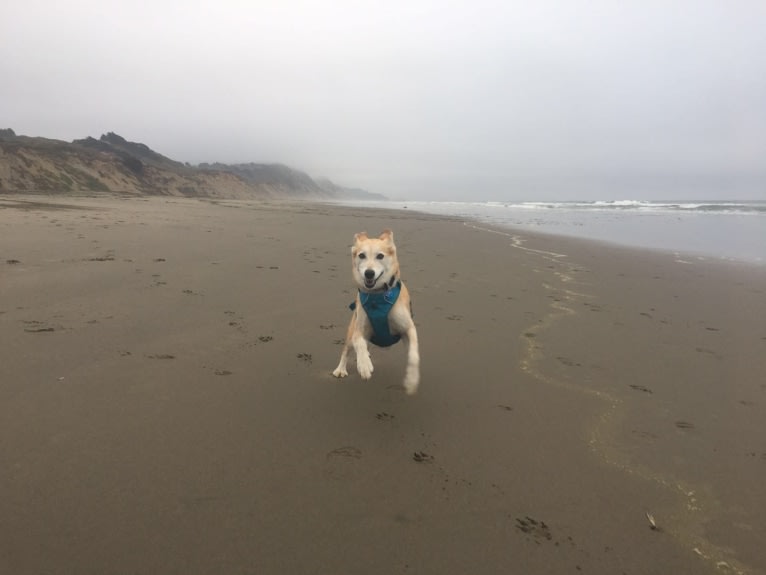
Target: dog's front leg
x=363, y=361
x=412, y=375
x=341, y=370
x=358, y=332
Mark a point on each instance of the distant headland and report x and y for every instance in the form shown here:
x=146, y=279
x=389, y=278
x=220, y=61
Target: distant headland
x=112, y=164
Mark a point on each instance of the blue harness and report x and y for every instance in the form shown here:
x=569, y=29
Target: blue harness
x=377, y=306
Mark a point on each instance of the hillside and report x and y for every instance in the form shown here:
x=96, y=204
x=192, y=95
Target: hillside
x=113, y=164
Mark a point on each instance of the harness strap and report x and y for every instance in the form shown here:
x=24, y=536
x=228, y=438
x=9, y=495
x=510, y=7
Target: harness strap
x=377, y=306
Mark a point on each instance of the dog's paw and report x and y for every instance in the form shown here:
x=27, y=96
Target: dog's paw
x=366, y=372
x=364, y=366
x=411, y=381
x=340, y=372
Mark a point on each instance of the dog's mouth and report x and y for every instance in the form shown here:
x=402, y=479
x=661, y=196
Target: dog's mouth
x=369, y=283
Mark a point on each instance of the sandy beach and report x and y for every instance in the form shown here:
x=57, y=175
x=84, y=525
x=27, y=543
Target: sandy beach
x=167, y=404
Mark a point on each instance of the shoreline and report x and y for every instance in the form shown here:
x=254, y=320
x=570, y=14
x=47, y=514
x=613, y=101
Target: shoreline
x=707, y=381
x=603, y=225
x=569, y=388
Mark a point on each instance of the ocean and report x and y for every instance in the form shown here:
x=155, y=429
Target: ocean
x=693, y=230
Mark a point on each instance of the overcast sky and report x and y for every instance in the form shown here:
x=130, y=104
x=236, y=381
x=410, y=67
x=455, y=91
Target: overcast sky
x=471, y=99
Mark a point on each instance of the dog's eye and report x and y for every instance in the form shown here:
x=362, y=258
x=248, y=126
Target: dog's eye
x=362, y=256
x=379, y=256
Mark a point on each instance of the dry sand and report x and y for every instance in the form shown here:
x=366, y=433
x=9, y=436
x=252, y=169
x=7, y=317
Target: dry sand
x=167, y=406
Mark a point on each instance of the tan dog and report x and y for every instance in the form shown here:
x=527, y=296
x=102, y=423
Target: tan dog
x=381, y=310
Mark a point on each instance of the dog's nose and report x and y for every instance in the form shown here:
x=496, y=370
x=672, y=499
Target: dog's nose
x=369, y=274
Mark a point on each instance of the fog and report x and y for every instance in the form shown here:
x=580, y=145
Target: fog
x=551, y=100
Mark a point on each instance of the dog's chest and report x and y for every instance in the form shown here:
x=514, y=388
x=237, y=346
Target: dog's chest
x=378, y=306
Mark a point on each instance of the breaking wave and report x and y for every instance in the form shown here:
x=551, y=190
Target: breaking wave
x=728, y=207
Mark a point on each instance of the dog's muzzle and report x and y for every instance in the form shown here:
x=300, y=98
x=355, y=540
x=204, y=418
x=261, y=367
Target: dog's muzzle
x=369, y=278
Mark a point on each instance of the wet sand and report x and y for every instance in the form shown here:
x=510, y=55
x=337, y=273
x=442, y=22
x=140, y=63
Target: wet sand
x=167, y=403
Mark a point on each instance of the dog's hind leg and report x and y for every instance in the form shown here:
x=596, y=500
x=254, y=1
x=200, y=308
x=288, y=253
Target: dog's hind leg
x=412, y=375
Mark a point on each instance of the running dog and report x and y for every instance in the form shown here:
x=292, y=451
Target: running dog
x=382, y=310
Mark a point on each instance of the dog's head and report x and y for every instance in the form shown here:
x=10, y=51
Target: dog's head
x=373, y=260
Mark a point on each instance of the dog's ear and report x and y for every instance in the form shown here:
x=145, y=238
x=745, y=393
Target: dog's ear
x=360, y=237
x=387, y=236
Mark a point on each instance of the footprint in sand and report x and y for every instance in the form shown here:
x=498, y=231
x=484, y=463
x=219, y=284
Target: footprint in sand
x=107, y=258
x=395, y=387
x=644, y=434
x=343, y=461
x=536, y=530
x=568, y=362
x=641, y=388
x=422, y=457
x=34, y=326
x=383, y=416
x=709, y=352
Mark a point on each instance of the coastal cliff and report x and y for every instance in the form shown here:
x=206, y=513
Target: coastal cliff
x=115, y=165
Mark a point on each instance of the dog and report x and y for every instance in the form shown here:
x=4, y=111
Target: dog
x=382, y=311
